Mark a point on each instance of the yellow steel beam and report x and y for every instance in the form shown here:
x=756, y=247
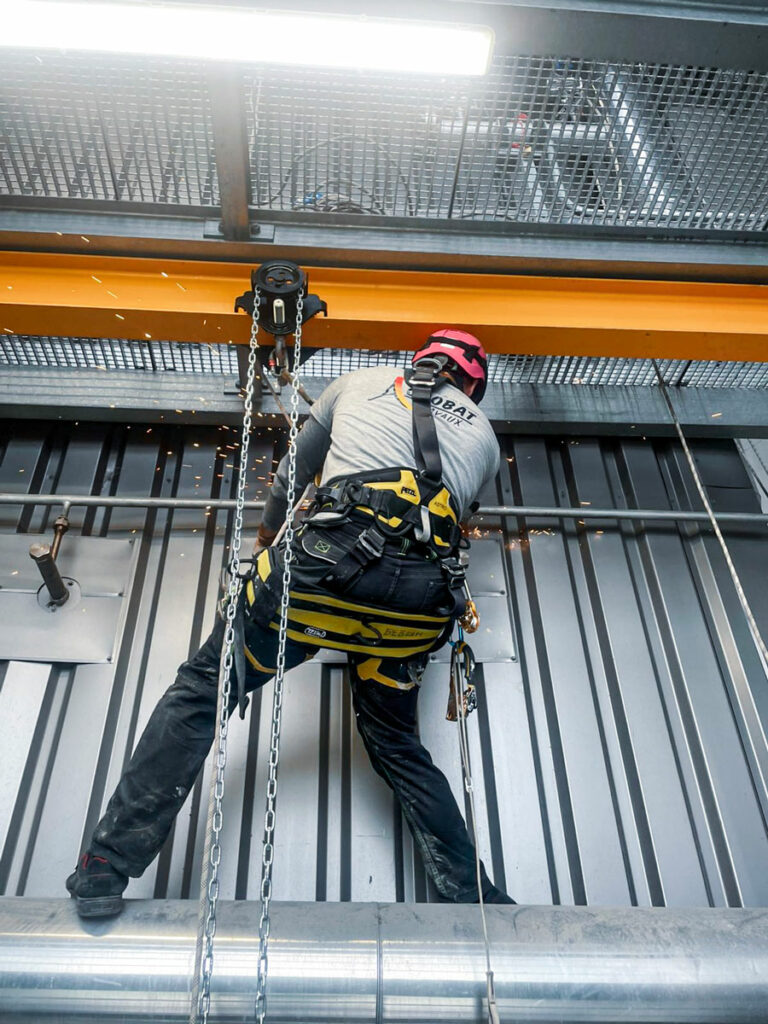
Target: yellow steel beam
x=80, y=295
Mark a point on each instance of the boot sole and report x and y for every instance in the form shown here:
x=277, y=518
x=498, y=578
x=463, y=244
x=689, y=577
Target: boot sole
x=98, y=906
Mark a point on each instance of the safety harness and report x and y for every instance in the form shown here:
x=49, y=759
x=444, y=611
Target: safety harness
x=405, y=509
x=414, y=508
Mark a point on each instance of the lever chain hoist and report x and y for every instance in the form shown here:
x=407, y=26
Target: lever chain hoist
x=286, y=314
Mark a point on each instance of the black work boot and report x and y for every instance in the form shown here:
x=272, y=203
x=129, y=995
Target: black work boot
x=96, y=887
x=492, y=894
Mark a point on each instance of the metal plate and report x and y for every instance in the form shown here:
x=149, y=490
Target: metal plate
x=86, y=628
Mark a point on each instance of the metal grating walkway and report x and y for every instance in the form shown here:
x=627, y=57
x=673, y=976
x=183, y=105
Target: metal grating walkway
x=539, y=141
x=545, y=140
x=155, y=356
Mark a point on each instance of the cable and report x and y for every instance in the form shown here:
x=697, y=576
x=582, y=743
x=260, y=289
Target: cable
x=753, y=627
x=458, y=693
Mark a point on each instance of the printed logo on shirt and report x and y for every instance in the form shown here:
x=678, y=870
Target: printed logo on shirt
x=444, y=408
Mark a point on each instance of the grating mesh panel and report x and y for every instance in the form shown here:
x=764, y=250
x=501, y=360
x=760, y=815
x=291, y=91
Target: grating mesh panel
x=537, y=141
x=116, y=354
x=519, y=369
x=123, y=354
x=118, y=129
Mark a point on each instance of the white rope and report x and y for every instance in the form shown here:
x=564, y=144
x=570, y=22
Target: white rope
x=753, y=627
x=458, y=693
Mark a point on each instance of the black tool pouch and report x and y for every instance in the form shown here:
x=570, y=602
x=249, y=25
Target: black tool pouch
x=267, y=594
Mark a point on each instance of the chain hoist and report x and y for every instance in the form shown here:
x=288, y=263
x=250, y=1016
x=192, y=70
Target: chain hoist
x=209, y=886
x=284, y=312
x=268, y=851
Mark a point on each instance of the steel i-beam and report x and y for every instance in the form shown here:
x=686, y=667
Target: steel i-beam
x=83, y=296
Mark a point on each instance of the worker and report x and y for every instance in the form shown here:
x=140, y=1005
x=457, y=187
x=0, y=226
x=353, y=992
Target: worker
x=375, y=573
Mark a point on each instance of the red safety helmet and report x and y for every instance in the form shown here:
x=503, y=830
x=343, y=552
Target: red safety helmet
x=462, y=349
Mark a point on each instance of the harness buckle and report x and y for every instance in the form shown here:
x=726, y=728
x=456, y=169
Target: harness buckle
x=455, y=572
x=426, y=373
x=372, y=542
x=352, y=492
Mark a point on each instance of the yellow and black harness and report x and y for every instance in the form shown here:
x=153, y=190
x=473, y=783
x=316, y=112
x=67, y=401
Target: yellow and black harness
x=411, y=508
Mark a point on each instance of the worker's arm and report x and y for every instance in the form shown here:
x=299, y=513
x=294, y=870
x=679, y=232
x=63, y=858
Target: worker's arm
x=312, y=446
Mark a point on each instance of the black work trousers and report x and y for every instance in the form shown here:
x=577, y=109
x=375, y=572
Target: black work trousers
x=180, y=732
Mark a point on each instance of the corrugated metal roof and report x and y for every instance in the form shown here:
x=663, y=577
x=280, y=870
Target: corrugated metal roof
x=618, y=759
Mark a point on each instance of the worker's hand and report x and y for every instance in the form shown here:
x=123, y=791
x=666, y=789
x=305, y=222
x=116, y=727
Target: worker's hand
x=263, y=540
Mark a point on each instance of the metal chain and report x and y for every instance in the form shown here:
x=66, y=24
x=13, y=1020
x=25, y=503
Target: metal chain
x=209, y=886
x=277, y=700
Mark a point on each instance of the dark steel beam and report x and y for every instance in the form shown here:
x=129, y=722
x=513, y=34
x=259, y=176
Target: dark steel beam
x=554, y=409
x=338, y=241
x=225, y=93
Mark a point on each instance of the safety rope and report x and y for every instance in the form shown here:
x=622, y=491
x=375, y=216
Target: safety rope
x=457, y=682
x=209, y=880
x=268, y=852
x=753, y=627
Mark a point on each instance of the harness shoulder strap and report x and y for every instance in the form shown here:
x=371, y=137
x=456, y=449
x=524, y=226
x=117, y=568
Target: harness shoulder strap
x=423, y=381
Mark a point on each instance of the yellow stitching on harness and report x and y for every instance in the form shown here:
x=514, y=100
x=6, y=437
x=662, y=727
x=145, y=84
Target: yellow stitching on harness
x=440, y=506
x=405, y=488
x=257, y=664
x=334, y=602
x=368, y=671
x=392, y=652
x=264, y=568
x=375, y=630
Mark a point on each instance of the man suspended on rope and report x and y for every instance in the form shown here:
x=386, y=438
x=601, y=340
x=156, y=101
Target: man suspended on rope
x=375, y=574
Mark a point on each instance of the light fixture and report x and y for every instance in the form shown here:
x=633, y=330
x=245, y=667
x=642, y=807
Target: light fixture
x=240, y=34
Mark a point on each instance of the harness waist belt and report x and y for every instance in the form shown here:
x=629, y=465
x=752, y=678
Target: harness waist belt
x=320, y=620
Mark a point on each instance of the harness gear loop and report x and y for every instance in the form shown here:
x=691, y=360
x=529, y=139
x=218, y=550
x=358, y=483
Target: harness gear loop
x=268, y=851
x=209, y=882
x=462, y=666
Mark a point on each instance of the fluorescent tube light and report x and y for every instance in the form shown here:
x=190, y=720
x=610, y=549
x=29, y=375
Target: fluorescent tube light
x=239, y=34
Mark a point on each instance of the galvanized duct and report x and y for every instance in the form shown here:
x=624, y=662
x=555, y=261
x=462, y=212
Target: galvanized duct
x=374, y=963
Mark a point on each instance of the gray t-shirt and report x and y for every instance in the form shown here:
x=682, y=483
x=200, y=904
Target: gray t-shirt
x=363, y=421
x=368, y=415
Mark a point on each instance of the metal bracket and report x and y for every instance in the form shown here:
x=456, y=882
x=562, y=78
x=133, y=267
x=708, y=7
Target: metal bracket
x=257, y=232
x=96, y=572
x=44, y=557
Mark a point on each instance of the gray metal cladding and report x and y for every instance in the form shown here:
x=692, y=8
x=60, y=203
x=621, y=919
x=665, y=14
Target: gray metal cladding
x=619, y=751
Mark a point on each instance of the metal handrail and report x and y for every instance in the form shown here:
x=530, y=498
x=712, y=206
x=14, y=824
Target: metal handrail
x=534, y=511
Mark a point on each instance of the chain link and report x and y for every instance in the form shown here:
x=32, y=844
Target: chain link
x=277, y=700
x=201, y=1003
